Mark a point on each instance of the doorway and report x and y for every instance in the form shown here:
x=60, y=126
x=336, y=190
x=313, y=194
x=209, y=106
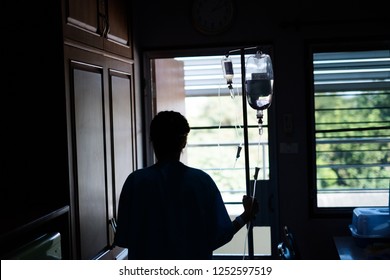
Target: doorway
x=192, y=83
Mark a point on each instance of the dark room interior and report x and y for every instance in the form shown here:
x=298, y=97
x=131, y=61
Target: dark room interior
x=81, y=81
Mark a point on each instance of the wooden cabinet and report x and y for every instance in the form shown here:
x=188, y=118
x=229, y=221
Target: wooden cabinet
x=99, y=87
x=100, y=106
x=103, y=24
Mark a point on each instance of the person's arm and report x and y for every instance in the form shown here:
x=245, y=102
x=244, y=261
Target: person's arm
x=251, y=207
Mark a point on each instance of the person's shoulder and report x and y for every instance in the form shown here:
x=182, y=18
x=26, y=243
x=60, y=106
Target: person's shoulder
x=198, y=172
x=191, y=169
x=141, y=172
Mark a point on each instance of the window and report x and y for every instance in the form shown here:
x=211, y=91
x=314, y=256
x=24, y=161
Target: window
x=195, y=86
x=352, y=128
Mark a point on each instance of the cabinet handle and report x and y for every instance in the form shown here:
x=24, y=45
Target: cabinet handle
x=103, y=25
x=106, y=28
x=103, y=19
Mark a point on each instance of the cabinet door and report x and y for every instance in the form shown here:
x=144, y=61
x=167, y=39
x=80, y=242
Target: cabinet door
x=83, y=21
x=101, y=132
x=101, y=24
x=118, y=28
x=123, y=134
x=88, y=157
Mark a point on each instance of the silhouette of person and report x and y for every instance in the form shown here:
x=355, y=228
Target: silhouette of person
x=170, y=210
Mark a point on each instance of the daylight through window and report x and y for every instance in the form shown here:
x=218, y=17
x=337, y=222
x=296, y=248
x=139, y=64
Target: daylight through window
x=352, y=128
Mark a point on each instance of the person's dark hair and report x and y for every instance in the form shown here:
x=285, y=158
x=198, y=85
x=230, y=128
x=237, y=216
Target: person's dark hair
x=168, y=133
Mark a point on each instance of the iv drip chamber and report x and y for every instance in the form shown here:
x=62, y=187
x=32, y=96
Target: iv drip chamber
x=259, y=80
x=227, y=67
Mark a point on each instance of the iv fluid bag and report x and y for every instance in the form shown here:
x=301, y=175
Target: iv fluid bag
x=259, y=80
x=227, y=67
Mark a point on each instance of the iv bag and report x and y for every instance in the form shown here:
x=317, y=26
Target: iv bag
x=259, y=80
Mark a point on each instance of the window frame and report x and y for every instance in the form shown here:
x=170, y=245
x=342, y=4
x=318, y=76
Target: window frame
x=312, y=47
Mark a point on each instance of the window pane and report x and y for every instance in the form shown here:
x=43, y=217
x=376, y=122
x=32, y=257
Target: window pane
x=218, y=150
x=352, y=117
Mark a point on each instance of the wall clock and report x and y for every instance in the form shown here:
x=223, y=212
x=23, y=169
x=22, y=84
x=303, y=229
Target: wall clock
x=212, y=16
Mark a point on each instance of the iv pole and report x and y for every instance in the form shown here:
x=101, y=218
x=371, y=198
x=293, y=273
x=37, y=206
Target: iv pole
x=260, y=103
x=246, y=144
x=246, y=150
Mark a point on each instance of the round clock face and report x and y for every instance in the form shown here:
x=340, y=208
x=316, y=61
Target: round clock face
x=212, y=16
